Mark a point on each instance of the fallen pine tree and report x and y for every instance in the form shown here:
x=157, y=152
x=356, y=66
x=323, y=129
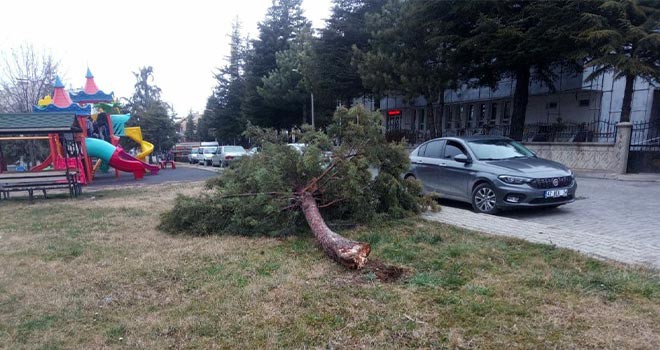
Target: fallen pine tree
x=282, y=188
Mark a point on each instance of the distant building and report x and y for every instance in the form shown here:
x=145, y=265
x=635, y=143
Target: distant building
x=484, y=110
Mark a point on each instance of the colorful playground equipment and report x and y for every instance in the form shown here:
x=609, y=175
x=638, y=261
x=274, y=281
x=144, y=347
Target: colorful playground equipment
x=89, y=103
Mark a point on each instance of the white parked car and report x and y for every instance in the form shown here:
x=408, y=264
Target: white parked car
x=225, y=155
x=206, y=156
x=193, y=157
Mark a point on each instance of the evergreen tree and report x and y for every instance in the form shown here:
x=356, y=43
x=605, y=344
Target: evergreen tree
x=406, y=56
x=225, y=105
x=280, y=188
x=191, y=132
x=153, y=115
x=622, y=37
x=286, y=89
x=334, y=71
x=521, y=39
x=284, y=20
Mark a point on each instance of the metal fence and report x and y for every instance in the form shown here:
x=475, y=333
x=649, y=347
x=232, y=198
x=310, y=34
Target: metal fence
x=600, y=131
x=411, y=136
x=645, y=136
x=596, y=131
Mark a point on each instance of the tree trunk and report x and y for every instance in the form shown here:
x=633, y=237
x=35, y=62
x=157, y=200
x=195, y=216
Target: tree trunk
x=520, y=97
x=349, y=253
x=430, y=120
x=441, y=108
x=626, y=107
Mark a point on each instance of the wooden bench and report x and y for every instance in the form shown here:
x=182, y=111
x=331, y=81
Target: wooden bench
x=39, y=181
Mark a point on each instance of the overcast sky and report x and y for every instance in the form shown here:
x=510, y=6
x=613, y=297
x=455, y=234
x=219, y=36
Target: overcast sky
x=184, y=41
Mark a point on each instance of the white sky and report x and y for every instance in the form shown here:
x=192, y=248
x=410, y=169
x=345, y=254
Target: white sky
x=184, y=41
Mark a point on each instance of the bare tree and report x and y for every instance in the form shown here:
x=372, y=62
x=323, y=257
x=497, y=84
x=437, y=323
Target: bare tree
x=26, y=75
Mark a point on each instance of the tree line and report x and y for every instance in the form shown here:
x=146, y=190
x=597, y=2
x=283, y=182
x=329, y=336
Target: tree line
x=423, y=48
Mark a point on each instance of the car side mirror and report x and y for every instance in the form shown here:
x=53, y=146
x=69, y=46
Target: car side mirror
x=462, y=158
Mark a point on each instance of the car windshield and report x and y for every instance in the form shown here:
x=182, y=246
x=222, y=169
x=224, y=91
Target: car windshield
x=234, y=149
x=210, y=150
x=499, y=149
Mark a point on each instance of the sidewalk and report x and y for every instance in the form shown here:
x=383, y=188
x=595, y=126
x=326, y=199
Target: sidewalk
x=642, y=177
x=599, y=246
x=199, y=167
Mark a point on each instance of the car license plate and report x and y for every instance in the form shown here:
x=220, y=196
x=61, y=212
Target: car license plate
x=556, y=193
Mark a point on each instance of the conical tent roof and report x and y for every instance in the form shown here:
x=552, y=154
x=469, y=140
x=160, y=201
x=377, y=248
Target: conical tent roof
x=90, y=85
x=60, y=96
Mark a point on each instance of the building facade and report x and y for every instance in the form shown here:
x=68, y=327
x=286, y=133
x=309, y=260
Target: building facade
x=576, y=110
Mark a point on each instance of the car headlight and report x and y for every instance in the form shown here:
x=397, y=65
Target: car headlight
x=514, y=180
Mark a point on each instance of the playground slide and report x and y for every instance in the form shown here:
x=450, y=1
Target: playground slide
x=135, y=134
x=45, y=164
x=117, y=158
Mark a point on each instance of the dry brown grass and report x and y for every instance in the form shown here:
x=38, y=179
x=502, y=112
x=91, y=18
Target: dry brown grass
x=94, y=273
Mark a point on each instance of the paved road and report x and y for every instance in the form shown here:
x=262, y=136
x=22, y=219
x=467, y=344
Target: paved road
x=180, y=174
x=613, y=219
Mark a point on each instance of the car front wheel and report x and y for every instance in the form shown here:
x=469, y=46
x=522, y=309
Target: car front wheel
x=484, y=199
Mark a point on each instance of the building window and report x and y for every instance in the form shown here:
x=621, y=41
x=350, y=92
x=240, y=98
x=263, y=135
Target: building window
x=470, y=116
x=482, y=114
x=422, y=118
x=506, y=115
x=448, y=117
x=551, y=105
x=493, y=113
x=584, y=103
x=461, y=115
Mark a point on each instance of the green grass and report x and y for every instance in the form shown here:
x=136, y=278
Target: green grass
x=94, y=273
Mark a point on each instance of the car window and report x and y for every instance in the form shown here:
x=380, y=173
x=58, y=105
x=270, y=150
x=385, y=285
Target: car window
x=434, y=149
x=453, y=149
x=499, y=149
x=420, y=151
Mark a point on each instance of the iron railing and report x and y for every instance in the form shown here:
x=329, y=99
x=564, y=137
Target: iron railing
x=645, y=136
x=596, y=131
x=600, y=131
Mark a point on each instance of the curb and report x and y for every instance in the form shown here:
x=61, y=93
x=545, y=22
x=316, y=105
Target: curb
x=199, y=167
x=620, y=177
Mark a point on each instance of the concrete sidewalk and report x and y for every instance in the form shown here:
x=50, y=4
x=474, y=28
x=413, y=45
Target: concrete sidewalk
x=199, y=167
x=641, y=177
x=591, y=244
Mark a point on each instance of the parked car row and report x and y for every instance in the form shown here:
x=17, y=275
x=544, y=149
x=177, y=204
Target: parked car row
x=220, y=156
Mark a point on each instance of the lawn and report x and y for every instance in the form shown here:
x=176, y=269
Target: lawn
x=95, y=273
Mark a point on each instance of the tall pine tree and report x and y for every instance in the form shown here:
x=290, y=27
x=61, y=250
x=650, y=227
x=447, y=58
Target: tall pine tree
x=284, y=20
x=153, y=115
x=225, y=105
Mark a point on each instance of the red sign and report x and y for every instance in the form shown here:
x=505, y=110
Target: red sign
x=394, y=112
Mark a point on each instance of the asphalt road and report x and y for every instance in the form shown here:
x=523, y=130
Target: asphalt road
x=180, y=174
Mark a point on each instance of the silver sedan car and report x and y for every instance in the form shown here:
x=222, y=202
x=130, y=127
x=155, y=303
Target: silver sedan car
x=491, y=173
x=226, y=155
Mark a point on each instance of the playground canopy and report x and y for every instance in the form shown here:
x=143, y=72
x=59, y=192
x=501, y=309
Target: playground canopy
x=38, y=123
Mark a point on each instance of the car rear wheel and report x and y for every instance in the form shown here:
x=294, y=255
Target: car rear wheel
x=484, y=199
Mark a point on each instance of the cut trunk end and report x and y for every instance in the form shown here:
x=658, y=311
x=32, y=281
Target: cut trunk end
x=351, y=254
